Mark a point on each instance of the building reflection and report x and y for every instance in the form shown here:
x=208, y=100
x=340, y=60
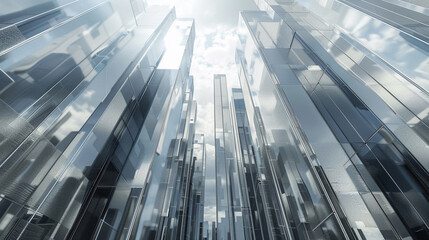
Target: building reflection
x=97, y=124
x=328, y=112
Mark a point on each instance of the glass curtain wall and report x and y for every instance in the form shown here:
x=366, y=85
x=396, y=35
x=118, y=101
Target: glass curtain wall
x=196, y=203
x=97, y=119
x=341, y=122
x=250, y=169
x=233, y=219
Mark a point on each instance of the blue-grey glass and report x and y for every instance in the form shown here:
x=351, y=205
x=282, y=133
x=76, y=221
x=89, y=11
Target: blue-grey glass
x=249, y=170
x=271, y=106
x=231, y=202
x=75, y=96
x=196, y=202
x=343, y=94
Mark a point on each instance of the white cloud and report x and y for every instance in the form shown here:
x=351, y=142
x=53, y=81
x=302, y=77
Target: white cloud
x=209, y=213
x=209, y=13
x=214, y=52
x=205, y=121
x=210, y=185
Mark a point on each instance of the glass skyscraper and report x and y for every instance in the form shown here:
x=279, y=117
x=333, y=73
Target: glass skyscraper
x=327, y=137
x=97, y=121
x=248, y=160
x=231, y=214
x=336, y=98
x=196, y=202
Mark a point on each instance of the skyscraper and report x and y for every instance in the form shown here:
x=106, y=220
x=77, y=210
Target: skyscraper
x=196, y=202
x=336, y=99
x=327, y=138
x=253, y=191
x=97, y=120
x=231, y=214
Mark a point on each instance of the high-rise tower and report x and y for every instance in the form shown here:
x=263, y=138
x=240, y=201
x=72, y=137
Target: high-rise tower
x=337, y=103
x=97, y=120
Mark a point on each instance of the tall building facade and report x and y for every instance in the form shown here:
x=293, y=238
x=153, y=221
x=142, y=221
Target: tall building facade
x=335, y=95
x=248, y=162
x=196, y=203
x=97, y=120
x=231, y=213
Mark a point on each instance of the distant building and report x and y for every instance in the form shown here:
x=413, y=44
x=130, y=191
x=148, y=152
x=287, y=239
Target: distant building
x=232, y=208
x=196, y=203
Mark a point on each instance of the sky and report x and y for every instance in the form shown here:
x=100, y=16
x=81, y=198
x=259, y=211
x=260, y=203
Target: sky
x=214, y=53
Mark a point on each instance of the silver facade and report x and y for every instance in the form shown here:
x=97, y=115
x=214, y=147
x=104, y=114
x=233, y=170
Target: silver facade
x=340, y=123
x=196, y=203
x=97, y=120
x=232, y=215
x=249, y=165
